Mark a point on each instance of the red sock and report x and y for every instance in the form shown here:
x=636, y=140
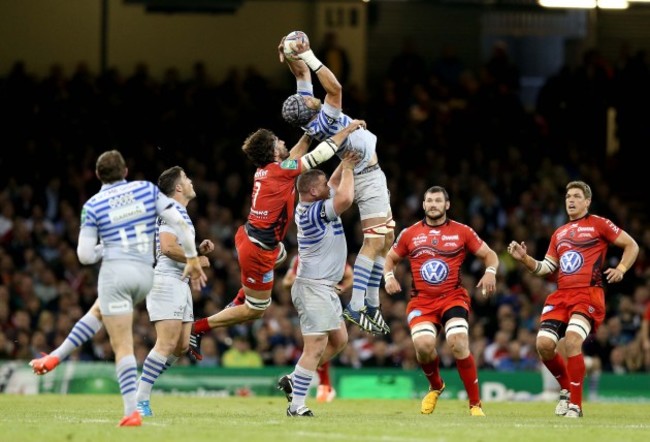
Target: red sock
x=432, y=372
x=576, y=367
x=558, y=369
x=324, y=374
x=468, y=374
x=240, y=298
x=201, y=326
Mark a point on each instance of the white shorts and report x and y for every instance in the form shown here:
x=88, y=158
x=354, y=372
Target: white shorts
x=371, y=194
x=121, y=285
x=318, y=307
x=170, y=298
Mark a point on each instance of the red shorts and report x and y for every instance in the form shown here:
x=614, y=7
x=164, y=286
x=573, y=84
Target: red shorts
x=588, y=301
x=256, y=263
x=426, y=308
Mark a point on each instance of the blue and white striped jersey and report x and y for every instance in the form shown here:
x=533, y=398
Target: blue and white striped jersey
x=322, y=248
x=123, y=216
x=331, y=120
x=165, y=264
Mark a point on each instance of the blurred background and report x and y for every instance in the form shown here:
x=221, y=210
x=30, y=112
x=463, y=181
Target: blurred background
x=502, y=102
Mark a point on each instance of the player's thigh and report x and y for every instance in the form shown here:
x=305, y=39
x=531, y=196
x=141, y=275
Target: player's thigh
x=120, y=285
x=371, y=195
x=318, y=307
x=169, y=299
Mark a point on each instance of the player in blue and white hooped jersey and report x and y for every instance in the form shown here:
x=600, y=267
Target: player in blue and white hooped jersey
x=319, y=121
x=122, y=217
x=322, y=251
x=169, y=303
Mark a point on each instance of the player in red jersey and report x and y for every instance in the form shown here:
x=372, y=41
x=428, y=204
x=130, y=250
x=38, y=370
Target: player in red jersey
x=325, y=391
x=577, y=251
x=272, y=206
x=436, y=248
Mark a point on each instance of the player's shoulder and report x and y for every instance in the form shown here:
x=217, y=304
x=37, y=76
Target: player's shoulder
x=413, y=229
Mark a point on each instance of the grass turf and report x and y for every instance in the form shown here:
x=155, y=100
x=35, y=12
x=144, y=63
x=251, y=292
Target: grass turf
x=93, y=418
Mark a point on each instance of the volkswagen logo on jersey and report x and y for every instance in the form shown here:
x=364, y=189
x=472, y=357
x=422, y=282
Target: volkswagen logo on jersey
x=434, y=271
x=571, y=262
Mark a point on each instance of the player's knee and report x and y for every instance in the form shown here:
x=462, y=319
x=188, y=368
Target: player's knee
x=577, y=330
x=375, y=234
x=545, y=345
x=424, y=338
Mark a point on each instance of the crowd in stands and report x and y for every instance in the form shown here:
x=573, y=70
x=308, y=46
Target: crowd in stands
x=438, y=122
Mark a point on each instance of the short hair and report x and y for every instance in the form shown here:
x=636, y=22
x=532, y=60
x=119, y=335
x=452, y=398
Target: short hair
x=168, y=180
x=296, y=112
x=580, y=185
x=437, y=189
x=259, y=147
x=110, y=167
x=308, y=179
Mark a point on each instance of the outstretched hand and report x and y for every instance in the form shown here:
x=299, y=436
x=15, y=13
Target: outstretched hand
x=356, y=124
x=518, y=250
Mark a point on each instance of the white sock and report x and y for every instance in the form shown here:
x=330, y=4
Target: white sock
x=84, y=329
x=153, y=366
x=362, y=270
x=372, y=294
x=127, y=373
x=301, y=381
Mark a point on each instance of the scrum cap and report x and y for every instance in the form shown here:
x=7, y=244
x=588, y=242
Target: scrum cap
x=296, y=112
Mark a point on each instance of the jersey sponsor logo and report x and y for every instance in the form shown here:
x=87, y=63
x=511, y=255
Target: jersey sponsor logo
x=119, y=307
x=450, y=244
x=259, y=212
x=571, y=262
x=586, y=229
x=268, y=277
x=250, y=280
x=562, y=233
x=289, y=164
x=84, y=215
x=612, y=226
x=261, y=173
x=413, y=314
x=421, y=252
x=124, y=199
x=450, y=237
x=434, y=271
x=133, y=211
x=420, y=239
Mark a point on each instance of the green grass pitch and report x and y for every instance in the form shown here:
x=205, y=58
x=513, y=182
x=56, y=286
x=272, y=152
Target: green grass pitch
x=93, y=418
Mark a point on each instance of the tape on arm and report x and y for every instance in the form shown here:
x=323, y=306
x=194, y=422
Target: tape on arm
x=321, y=153
x=544, y=267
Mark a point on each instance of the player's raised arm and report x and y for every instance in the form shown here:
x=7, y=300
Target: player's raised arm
x=326, y=150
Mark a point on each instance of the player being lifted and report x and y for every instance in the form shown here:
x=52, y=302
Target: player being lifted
x=259, y=240
x=319, y=121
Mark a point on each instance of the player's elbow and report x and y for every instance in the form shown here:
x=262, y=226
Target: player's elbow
x=86, y=257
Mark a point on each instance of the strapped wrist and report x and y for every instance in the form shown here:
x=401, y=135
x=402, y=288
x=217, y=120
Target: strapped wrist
x=311, y=60
x=491, y=269
x=388, y=275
